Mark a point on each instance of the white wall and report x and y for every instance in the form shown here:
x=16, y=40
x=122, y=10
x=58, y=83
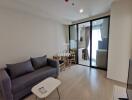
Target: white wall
x=120, y=40
x=23, y=35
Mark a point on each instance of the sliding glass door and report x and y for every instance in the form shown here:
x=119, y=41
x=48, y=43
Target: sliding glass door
x=84, y=43
x=73, y=45
x=89, y=41
x=100, y=30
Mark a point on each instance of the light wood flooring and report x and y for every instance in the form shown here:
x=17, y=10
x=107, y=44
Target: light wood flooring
x=83, y=83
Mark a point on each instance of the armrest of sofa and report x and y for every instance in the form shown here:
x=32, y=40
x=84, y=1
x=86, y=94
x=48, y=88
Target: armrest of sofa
x=53, y=63
x=5, y=85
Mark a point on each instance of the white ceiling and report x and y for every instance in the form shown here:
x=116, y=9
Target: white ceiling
x=59, y=9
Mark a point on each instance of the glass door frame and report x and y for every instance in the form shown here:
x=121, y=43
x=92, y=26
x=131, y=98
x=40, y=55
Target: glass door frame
x=91, y=27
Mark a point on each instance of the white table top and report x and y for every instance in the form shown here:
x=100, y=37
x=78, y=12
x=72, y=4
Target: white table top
x=49, y=84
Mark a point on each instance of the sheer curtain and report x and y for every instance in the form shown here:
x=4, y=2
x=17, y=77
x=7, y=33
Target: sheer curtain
x=96, y=36
x=87, y=39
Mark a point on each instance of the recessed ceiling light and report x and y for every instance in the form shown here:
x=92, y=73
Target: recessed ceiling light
x=81, y=11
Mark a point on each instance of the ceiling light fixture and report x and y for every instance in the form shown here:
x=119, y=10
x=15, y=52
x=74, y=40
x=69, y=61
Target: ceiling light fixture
x=81, y=10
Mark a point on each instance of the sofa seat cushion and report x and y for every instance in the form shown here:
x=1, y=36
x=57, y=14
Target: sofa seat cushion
x=32, y=79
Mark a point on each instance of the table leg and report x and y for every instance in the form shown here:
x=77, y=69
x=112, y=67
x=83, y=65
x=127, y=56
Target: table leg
x=36, y=98
x=58, y=93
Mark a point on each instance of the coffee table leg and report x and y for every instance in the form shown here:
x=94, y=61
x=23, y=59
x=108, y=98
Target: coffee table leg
x=38, y=99
x=58, y=93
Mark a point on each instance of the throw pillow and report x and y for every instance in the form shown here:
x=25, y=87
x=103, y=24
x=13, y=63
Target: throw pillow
x=39, y=62
x=19, y=69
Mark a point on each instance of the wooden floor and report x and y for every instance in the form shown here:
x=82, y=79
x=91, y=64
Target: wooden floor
x=83, y=83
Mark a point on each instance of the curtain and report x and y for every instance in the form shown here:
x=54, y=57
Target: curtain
x=87, y=36
x=87, y=40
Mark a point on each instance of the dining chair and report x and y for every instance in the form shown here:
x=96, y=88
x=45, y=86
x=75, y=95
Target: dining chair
x=61, y=62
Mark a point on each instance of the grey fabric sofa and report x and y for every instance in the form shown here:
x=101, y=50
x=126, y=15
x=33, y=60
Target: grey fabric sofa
x=19, y=87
